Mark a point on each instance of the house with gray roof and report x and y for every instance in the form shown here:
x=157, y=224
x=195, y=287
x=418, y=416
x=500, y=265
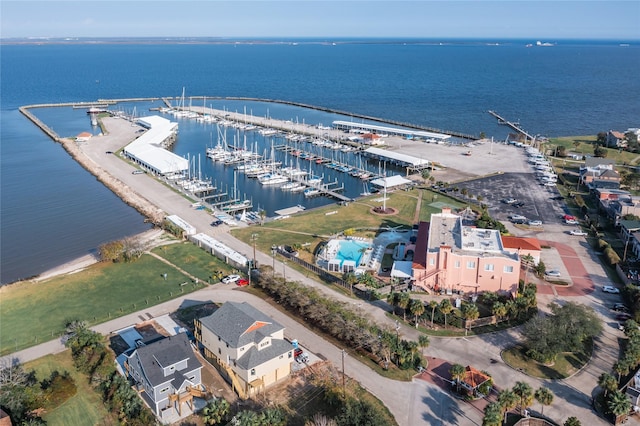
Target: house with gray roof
x=166, y=373
x=246, y=346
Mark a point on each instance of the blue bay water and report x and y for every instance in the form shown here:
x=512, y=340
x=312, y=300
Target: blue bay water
x=53, y=211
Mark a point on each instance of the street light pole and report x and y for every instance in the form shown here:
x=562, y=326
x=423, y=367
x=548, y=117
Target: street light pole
x=344, y=391
x=284, y=275
x=273, y=265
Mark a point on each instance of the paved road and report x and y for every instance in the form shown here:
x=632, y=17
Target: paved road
x=413, y=403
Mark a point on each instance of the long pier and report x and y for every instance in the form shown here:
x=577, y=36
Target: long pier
x=514, y=126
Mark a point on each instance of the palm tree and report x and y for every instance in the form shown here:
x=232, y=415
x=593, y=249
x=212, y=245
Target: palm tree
x=544, y=396
x=499, y=309
x=433, y=305
x=508, y=401
x=392, y=299
x=619, y=403
x=446, y=307
x=423, y=342
x=470, y=311
x=416, y=307
x=273, y=417
x=403, y=302
x=525, y=395
x=320, y=419
x=492, y=415
x=572, y=421
x=608, y=383
x=247, y=418
x=215, y=412
x=457, y=374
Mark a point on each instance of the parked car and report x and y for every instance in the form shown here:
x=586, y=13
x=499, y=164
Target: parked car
x=303, y=358
x=216, y=223
x=535, y=223
x=623, y=317
x=297, y=352
x=242, y=282
x=568, y=217
x=571, y=222
x=610, y=289
x=578, y=232
x=619, y=307
x=290, y=250
x=230, y=279
x=518, y=204
x=552, y=273
x=509, y=200
x=138, y=172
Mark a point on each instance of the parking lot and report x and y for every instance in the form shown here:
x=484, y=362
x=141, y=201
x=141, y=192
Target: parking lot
x=538, y=199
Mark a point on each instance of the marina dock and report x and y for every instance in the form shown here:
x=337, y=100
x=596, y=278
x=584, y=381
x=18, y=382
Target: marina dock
x=514, y=126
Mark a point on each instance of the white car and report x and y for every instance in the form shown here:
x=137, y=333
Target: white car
x=578, y=232
x=610, y=289
x=535, y=223
x=229, y=279
x=571, y=221
x=552, y=273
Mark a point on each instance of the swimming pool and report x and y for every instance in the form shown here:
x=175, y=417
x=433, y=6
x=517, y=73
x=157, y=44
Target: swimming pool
x=351, y=250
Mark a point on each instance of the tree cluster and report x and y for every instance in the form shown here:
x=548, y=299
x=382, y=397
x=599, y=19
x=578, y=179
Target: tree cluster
x=522, y=396
x=125, y=250
x=630, y=358
x=342, y=322
x=21, y=394
x=487, y=222
x=349, y=408
x=566, y=330
x=92, y=357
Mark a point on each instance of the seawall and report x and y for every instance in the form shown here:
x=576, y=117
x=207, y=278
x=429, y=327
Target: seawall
x=126, y=194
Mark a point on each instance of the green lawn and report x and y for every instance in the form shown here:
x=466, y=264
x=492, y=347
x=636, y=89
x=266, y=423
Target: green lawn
x=36, y=312
x=311, y=227
x=584, y=145
x=193, y=260
x=84, y=408
x=565, y=365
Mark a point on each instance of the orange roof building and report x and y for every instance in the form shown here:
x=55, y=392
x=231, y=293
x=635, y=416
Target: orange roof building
x=523, y=246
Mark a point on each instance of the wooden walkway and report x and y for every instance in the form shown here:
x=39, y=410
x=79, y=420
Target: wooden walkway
x=514, y=126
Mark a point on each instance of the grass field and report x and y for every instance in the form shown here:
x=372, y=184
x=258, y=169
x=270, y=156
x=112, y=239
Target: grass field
x=584, y=145
x=36, y=312
x=565, y=365
x=84, y=408
x=192, y=260
x=311, y=227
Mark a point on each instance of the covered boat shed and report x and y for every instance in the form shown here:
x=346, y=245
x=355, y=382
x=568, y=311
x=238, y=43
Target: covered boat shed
x=149, y=151
x=395, y=131
x=403, y=160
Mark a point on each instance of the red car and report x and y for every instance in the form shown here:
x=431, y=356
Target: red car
x=242, y=282
x=297, y=352
x=568, y=217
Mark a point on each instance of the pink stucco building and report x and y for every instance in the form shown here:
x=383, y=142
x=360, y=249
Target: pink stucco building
x=451, y=256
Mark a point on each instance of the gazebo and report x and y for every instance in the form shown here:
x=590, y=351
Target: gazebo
x=473, y=379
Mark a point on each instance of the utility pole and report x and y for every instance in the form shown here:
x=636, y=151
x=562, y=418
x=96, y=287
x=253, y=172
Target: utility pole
x=344, y=389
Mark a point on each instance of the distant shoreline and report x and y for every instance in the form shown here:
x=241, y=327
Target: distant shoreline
x=329, y=41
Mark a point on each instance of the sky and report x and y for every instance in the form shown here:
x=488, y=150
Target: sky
x=483, y=19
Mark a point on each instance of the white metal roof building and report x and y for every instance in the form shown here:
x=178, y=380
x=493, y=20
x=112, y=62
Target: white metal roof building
x=220, y=250
x=349, y=125
x=182, y=224
x=391, y=182
x=148, y=150
x=397, y=158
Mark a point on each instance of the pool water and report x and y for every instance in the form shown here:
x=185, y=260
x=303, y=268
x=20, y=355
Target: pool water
x=351, y=250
